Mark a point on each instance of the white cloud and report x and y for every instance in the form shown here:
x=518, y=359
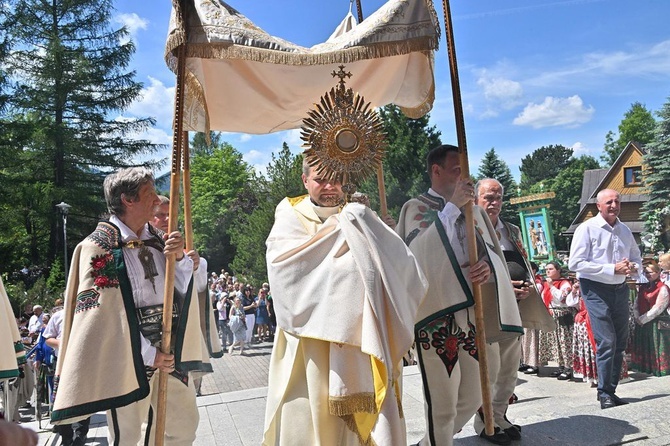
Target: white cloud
x=245, y=137
x=132, y=22
x=156, y=101
x=580, y=148
x=565, y=112
x=292, y=138
x=639, y=62
x=254, y=156
x=654, y=60
x=504, y=92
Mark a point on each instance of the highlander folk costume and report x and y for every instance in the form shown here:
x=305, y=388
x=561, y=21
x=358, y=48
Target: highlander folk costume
x=444, y=329
x=345, y=290
x=106, y=333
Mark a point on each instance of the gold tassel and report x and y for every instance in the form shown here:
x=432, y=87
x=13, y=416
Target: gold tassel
x=356, y=403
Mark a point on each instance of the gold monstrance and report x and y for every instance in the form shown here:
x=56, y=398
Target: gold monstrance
x=343, y=136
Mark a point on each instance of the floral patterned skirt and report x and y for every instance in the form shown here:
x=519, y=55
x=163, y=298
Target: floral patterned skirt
x=530, y=347
x=650, y=348
x=584, y=362
x=557, y=345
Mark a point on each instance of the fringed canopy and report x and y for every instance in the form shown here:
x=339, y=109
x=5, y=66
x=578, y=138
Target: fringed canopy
x=241, y=79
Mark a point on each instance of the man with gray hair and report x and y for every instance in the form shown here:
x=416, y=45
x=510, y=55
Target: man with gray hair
x=604, y=253
x=113, y=322
x=503, y=356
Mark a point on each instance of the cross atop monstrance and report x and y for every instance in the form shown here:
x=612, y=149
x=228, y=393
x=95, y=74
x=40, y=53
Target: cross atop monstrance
x=341, y=74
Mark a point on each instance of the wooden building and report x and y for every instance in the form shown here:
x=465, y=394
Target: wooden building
x=625, y=177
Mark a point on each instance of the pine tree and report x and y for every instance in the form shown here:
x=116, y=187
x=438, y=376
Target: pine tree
x=544, y=163
x=493, y=167
x=657, y=177
x=405, y=176
x=71, y=85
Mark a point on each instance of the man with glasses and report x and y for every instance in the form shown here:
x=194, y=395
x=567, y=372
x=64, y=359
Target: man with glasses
x=604, y=254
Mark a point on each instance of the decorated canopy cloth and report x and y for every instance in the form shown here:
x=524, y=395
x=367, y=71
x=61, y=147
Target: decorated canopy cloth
x=241, y=79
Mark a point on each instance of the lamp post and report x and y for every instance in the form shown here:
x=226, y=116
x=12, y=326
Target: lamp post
x=64, y=208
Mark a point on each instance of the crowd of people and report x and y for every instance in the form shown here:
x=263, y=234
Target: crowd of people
x=245, y=313
x=572, y=346
x=335, y=269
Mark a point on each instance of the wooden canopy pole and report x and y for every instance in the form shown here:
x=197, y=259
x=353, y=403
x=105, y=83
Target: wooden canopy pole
x=383, y=208
x=480, y=334
x=171, y=260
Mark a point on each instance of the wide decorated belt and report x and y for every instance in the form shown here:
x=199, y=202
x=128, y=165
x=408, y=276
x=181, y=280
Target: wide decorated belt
x=151, y=322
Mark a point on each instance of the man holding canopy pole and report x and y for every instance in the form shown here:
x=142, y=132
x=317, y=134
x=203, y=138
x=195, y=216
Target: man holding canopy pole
x=110, y=350
x=433, y=226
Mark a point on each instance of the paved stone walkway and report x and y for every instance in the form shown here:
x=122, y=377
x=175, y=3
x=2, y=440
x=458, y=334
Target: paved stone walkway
x=551, y=412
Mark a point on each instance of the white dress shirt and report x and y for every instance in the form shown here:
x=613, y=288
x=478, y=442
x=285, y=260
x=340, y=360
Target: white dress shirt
x=596, y=247
x=54, y=329
x=144, y=293
x=506, y=243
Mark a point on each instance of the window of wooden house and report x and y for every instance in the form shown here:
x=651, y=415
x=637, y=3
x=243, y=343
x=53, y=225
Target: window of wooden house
x=632, y=176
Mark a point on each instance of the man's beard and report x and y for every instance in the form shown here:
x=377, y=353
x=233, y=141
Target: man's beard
x=330, y=201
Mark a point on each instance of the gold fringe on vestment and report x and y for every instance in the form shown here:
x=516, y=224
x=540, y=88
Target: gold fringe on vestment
x=356, y=403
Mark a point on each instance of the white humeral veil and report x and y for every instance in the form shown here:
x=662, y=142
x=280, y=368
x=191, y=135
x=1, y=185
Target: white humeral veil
x=346, y=292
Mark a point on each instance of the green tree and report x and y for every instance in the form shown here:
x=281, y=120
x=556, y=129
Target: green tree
x=71, y=83
x=494, y=167
x=637, y=125
x=250, y=231
x=544, y=163
x=405, y=176
x=657, y=178
x=567, y=186
x=219, y=178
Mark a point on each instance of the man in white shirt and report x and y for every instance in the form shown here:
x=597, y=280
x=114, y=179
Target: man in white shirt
x=71, y=434
x=35, y=322
x=160, y=221
x=604, y=254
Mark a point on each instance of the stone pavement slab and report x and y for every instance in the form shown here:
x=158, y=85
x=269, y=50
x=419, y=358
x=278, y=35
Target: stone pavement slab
x=551, y=412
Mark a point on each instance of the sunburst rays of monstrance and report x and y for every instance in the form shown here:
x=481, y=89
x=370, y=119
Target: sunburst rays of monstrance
x=344, y=137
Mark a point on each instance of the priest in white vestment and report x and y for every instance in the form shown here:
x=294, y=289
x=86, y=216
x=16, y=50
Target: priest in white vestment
x=346, y=291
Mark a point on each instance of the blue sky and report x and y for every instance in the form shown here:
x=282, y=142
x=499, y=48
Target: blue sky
x=532, y=72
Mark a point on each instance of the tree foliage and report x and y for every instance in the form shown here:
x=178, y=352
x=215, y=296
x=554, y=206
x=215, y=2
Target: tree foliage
x=637, y=125
x=567, y=186
x=405, y=176
x=219, y=188
x=657, y=174
x=69, y=82
x=494, y=167
x=544, y=163
x=250, y=230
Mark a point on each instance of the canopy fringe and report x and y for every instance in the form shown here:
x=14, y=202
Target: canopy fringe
x=345, y=56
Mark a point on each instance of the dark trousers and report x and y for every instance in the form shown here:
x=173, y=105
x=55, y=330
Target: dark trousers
x=608, y=308
x=225, y=332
